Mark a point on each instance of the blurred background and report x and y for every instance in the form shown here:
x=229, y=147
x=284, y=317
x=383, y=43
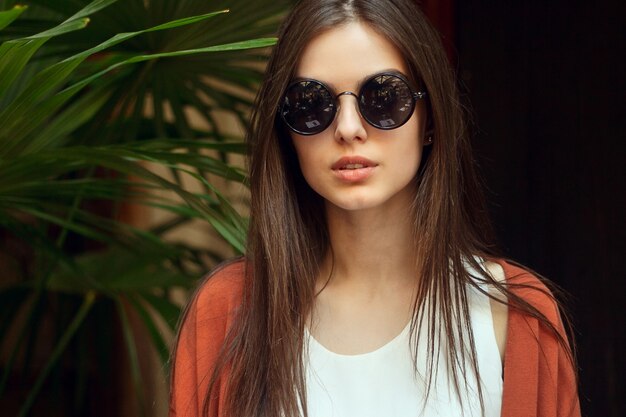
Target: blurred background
x=545, y=80
x=122, y=180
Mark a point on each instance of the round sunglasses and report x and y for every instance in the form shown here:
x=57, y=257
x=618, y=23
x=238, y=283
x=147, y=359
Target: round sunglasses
x=385, y=100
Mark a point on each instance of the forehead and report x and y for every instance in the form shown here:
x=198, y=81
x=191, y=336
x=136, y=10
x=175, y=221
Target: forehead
x=346, y=54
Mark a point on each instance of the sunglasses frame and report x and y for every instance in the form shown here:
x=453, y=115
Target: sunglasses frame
x=414, y=97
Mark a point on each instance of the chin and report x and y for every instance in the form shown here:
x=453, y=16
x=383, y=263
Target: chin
x=353, y=206
x=370, y=199
x=355, y=203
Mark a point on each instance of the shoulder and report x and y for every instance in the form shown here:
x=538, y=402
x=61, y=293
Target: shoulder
x=213, y=307
x=212, y=310
x=499, y=305
x=529, y=287
x=201, y=336
x=539, y=373
x=533, y=310
x=517, y=316
x=220, y=291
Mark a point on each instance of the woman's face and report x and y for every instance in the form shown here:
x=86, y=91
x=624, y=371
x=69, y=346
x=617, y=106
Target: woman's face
x=351, y=164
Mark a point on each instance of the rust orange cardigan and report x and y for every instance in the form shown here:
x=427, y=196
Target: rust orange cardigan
x=538, y=378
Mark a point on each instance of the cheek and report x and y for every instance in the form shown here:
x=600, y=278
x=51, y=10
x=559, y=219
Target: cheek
x=408, y=159
x=408, y=152
x=308, y=160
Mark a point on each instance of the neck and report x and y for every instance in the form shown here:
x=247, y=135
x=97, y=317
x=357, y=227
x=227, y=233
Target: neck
x=372, y=249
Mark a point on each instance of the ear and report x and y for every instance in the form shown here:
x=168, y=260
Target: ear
x=429, y=136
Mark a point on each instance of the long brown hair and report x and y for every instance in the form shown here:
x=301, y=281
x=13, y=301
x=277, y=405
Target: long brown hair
x=288, y=238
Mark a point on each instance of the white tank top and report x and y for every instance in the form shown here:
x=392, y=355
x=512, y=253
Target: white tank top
x=383, y=382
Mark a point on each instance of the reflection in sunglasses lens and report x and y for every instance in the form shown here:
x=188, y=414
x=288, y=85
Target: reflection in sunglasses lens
x=386, y=101
x=308, y=107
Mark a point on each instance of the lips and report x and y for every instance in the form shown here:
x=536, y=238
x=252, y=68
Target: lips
x=353, y=162
x=353, y=169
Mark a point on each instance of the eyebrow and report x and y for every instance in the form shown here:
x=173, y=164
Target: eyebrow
x=360, y=82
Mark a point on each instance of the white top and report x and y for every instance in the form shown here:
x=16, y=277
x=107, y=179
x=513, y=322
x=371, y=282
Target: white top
x=383, y=382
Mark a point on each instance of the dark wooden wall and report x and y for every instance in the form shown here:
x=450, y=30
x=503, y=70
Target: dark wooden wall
x=546, y=83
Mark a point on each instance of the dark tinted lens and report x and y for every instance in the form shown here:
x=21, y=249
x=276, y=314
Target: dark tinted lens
x=386, y=101
x=308, y=107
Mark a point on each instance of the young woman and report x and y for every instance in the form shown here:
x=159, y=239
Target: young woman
x=370, y=286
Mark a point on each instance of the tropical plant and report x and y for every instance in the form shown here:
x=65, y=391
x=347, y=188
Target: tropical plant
x=88, y=107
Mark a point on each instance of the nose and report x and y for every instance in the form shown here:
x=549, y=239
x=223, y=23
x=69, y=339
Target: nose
x=350, y=126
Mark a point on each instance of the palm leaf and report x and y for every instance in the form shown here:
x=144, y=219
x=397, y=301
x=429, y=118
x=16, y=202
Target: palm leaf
x=58, y=350
x=69, y=84
x=131, y=348
x=8, y=16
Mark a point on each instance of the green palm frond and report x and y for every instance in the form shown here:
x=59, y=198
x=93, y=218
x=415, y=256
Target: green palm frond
x=6, y=17
x=90, y=101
